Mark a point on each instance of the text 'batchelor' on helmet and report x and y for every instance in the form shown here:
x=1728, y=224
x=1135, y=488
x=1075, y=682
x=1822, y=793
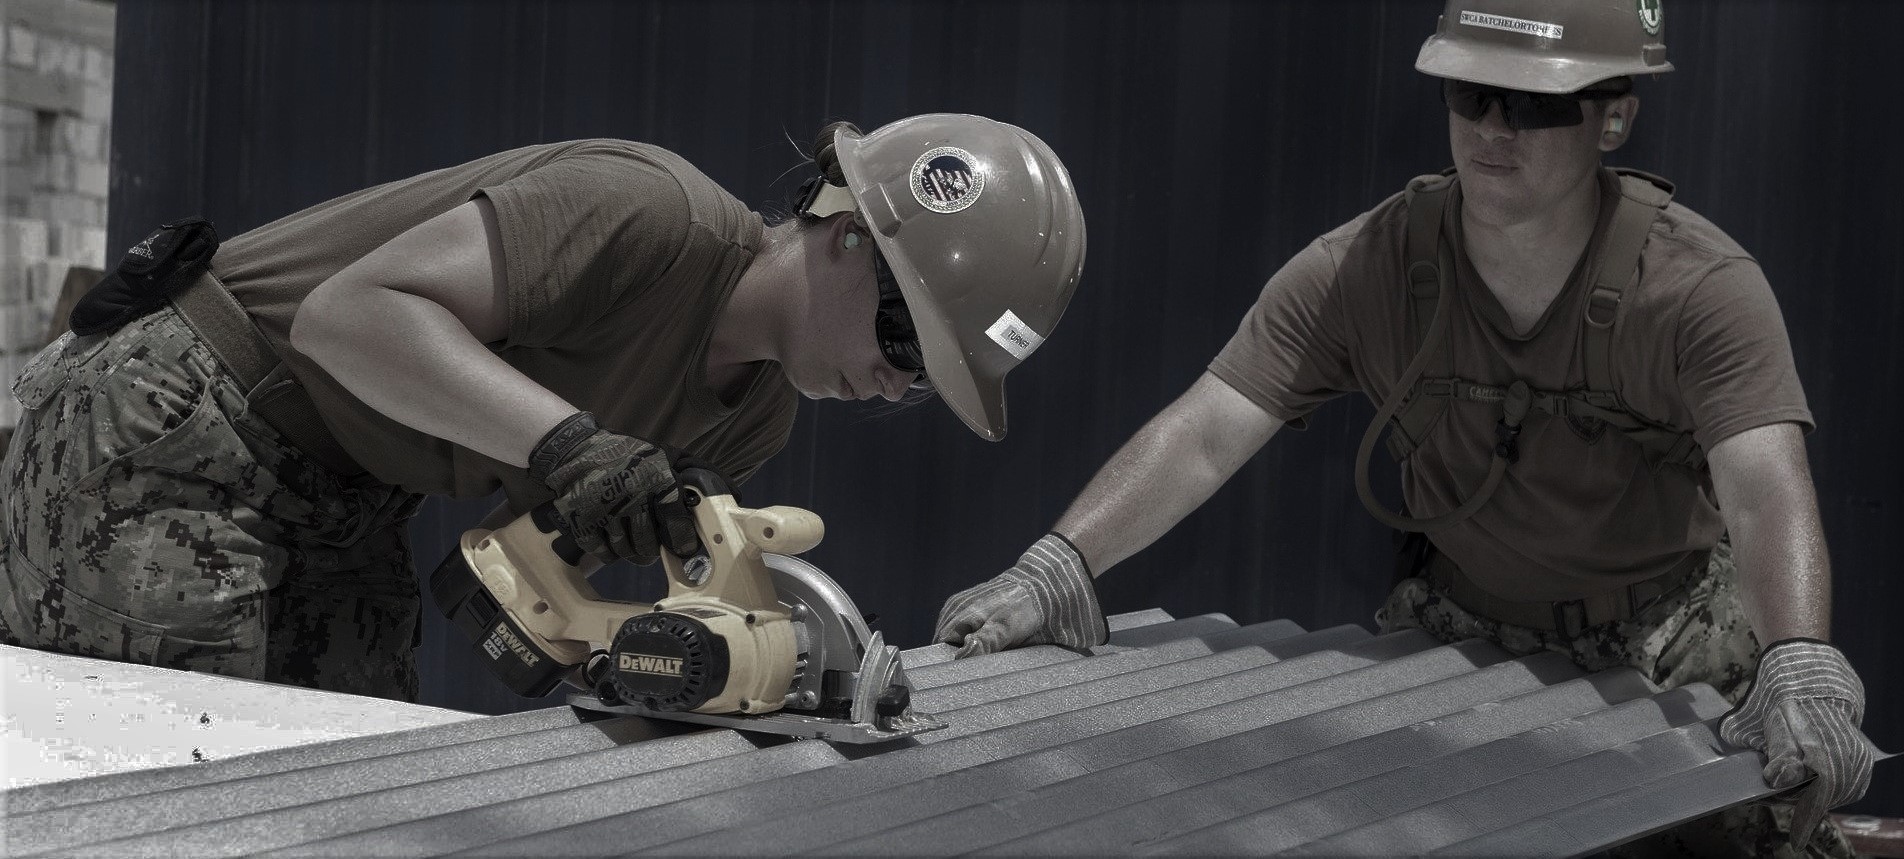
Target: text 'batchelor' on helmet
x=982, y=230
x=1550, y=46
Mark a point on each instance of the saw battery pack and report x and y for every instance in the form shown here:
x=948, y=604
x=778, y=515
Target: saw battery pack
x=511, y=654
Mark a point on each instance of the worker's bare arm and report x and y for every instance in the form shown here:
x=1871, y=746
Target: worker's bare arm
x=1765, y=493
x=405, y=327
x=1169, y=468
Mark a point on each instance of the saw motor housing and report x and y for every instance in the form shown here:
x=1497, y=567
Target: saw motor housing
x=702, y=656
x=720, y=642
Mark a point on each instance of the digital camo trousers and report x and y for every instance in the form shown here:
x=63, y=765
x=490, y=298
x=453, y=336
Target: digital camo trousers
x=148, y=517
x=1699, y=634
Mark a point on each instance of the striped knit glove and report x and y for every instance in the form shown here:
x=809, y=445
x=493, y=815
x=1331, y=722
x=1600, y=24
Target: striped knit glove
x=1803, y=712
x=1047, y=598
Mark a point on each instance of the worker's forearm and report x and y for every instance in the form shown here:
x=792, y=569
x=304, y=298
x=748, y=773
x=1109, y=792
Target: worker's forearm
x=411, y=359
x=1784, y=568
x=1164, y=472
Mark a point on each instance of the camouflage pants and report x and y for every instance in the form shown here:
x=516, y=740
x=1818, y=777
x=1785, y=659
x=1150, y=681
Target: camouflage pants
x=1698, y=634
x=147, y=516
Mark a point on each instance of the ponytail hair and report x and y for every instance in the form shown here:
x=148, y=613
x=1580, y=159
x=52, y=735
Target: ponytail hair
x=824, y=156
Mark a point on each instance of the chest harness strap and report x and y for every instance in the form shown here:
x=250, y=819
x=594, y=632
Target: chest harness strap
x=1419, y=403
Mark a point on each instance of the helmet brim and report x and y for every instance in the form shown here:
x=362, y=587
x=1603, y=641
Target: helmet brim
x=976, y=395
x=1512, y=67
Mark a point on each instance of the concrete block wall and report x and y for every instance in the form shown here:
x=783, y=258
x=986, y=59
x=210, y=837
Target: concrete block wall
x=55, y=126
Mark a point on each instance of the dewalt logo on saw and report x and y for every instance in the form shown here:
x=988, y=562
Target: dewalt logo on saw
x=500, y=640
x=640, y=663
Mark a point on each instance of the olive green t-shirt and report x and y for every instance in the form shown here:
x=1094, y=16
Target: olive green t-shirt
x=1699, y=345
x=618, y=257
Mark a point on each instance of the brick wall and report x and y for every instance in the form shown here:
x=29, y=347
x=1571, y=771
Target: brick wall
x=55, y=113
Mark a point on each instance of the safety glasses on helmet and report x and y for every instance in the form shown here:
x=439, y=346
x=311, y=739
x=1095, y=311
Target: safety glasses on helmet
x=898, y=340
x=1524, y=111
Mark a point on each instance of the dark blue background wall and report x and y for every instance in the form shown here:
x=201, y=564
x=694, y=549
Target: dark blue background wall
x=1208, y=140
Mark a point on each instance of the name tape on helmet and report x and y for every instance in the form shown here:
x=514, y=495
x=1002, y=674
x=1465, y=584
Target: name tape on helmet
x=947, y=179
x=1014, y=336
x=1525, y=27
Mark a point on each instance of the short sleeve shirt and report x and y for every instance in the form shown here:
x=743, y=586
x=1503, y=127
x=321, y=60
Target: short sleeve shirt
x=618, y=257
x=1699, y=345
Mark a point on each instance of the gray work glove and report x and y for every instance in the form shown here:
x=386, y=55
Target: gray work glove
x=1047, y=598
x=1803, y=712
x=616, y=495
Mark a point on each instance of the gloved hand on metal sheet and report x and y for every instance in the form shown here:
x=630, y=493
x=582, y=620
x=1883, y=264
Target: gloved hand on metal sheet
x=1804, y=712
x=1046, y=598
x=617, y=496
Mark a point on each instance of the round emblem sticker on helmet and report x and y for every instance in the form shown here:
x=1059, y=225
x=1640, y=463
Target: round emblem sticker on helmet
x=947, y=179
x=1650, y=16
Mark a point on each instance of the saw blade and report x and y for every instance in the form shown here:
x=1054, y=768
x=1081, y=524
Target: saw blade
x=835, y=634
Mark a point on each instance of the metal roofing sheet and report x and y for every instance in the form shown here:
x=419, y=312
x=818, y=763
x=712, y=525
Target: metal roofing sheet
x=1181, y=736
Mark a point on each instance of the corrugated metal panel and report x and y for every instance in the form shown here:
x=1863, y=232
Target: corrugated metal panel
x=1184, y=736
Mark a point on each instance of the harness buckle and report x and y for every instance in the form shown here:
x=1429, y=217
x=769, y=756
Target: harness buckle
x=1507, y=441
x=1438, y=388
x=1603, y=306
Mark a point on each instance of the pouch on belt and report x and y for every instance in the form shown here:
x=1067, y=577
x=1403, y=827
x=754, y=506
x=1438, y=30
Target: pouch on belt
x=151, y=272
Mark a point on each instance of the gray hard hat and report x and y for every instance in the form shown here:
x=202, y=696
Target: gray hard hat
x=1544, y=45
x=983, y=232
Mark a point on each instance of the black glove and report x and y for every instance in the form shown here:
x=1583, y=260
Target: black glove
x=1046, y=598
x=1803, y=712
x=616, y=496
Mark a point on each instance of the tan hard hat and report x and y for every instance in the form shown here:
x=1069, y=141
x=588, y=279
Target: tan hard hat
x=983, y=232
x=1544, y=45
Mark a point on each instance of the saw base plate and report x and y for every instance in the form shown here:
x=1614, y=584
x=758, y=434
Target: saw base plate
x=790, y=723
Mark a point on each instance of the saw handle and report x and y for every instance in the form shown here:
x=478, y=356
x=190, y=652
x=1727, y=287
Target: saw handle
x=704, y=480
x=565, y=546
x=785, y=530
x=781, y=530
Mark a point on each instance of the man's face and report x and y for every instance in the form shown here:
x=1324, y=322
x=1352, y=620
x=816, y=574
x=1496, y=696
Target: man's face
x=1510, y=175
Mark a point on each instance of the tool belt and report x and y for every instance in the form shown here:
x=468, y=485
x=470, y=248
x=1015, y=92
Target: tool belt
x=271, y=392
x=1566, y=617
x=174, y=263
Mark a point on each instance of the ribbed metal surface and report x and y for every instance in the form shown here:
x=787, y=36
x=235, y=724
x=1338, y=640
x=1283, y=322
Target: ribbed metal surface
x=1190, y=736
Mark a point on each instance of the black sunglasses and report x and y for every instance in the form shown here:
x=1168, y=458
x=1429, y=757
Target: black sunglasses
x=1522, y=111
x=898, y=340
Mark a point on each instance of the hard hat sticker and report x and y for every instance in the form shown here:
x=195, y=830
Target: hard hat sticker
x=1014, y=336
x=1540, y=29
x=1650, y=16
x=947, y=179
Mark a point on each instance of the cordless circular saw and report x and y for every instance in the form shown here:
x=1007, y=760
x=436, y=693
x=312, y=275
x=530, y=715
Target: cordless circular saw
x=747, y=637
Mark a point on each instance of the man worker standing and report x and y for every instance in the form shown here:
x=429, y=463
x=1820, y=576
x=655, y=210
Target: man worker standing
x=1592, y=397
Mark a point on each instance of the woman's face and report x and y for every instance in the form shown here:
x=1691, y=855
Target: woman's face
x=837, y=354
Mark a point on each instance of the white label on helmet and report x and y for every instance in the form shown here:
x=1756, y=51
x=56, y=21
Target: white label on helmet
x=947, y=179
x=1540, y=29
x=1014, y=336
